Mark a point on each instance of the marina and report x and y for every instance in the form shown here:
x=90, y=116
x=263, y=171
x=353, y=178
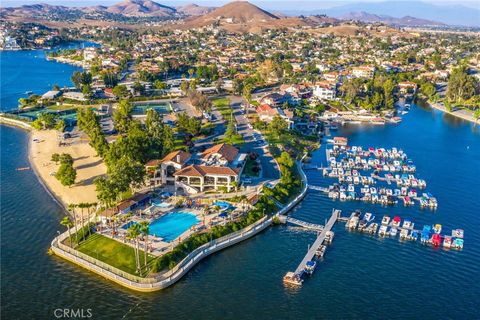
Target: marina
x=368, y=175
x=365, y=223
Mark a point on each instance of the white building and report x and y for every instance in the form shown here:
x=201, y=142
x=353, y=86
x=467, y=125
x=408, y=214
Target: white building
x=325, y=90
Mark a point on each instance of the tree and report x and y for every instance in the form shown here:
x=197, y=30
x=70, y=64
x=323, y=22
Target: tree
x=87, y=91
x=247, y=92
x=56, y=87
x=476, y=114
x=81, y=78
x=188, y=124
x=184, y=86
x=45, y=121
x=461, y=86
x=191, y=72
x=427, y=89
x=168, y=140
x=106, y=191
x=219, y=85
x=67, y=222
x=55, y=158
x=388, y=87
x=122, y=116
x=120, y=91
x=351, y=88
x=231, y=129
x=278, y=125
x=132, y=234
x=66, y=174
x=110, y=79
x=138, y=88
x=199, y=101
x=154, y=126
x=159, y=85
x=144, y=229
x=60, y=126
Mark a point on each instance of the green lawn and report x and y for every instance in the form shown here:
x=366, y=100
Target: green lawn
x=113, y=252
x=223, y=106
x=249, y=168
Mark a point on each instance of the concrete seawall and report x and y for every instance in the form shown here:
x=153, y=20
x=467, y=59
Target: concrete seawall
x=151, y=284
x=15, y=123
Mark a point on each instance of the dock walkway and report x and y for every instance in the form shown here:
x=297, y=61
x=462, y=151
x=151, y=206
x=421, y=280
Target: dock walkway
x=318, y=242
x=304, y=224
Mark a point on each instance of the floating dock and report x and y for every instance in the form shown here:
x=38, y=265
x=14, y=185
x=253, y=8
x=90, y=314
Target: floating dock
x=313, y=249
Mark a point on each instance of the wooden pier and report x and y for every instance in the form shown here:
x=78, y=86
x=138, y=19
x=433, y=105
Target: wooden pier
x=318, y=242
x=306, y=225
x=318, y=188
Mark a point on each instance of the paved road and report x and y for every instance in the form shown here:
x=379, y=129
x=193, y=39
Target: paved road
x=269, y=166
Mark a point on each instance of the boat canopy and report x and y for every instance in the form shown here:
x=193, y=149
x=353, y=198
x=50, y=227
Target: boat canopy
x=396, y=219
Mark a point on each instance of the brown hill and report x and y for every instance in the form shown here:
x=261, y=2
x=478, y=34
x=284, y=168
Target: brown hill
x=193, y=9
x=141, y=8
x=234, y=12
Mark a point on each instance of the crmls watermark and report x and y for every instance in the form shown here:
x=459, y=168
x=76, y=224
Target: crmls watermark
x=72, y=313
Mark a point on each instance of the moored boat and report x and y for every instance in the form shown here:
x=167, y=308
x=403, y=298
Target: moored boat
x=310, y=266
x=292, y=278
x=436, y=240
x=447, y=242
x=385, y=220
x=437, y=228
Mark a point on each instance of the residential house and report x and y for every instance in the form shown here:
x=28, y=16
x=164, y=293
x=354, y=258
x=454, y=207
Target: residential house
x=325, y=90
x=407, y=87
x=200, y=178
x=274, y=99
x=160, y=171
x=363, y=72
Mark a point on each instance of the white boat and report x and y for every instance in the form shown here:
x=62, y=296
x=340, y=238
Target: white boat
x=310, y=266
x=329, y=236
x=393, y=232
x=385, y=220
x=437, y=228
x=292, y=278
x=321, y=251
x=368, y=217
x=383, y=231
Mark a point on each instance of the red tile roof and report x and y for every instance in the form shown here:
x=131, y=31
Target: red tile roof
x=225, y=150
x=201, y=171
x=183, y=157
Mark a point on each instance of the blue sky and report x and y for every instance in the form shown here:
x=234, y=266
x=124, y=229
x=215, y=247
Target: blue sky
x=270, y=4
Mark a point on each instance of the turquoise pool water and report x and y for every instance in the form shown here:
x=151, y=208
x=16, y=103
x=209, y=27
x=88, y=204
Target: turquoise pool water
x=171, y=225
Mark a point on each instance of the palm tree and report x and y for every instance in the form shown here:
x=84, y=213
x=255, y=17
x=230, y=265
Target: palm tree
x=144, y=229
x=68, y=224
x=133, y=233
x=72, y=207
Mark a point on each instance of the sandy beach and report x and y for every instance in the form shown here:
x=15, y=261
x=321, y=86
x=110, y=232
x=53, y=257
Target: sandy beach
x=87, y=164
x=463, y=114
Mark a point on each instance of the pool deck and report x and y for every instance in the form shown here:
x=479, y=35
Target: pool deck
x=157, y=245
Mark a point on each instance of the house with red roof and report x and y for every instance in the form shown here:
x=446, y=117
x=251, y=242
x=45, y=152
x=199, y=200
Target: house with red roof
x=161, y=171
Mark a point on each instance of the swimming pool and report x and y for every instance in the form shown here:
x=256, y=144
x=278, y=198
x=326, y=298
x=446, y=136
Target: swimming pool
x=171, y=225
x=160, y=204
x=223, y=205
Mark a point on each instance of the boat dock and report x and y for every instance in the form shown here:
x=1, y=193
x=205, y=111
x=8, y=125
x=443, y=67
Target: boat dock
x=309, y=257
x=304, y=224
x=318, y=188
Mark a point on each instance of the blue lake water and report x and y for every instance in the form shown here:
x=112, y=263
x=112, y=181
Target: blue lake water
x=361, y=277
x=28, y=70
